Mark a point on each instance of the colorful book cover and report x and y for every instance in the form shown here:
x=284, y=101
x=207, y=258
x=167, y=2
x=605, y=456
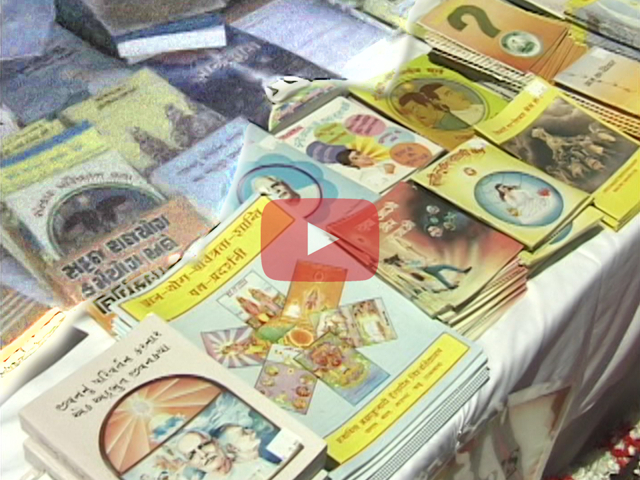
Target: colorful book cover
x=231, y=80
x=152, y=406
x=68, y=72
x=435, y=102
x=82, y=211
x=510, y=195
x=607, y=77
x=361, y=145
x=271, y=167
x=364, y=399
x=496, y=29
x=545, y=129
x=30, y=136
x=147, y=120
x=429, y=249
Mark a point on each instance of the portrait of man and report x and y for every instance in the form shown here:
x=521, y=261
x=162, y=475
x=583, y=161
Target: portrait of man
x=275, y=188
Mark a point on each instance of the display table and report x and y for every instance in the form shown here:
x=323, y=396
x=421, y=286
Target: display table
x=579, y=323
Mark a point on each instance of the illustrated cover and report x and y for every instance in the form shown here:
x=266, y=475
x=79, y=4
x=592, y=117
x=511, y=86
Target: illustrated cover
x=152, y=405
x=360, y=145
x=30, y=136
x=606, y=77
x=435, y=102
x=147, y=120
x=436, y=253
x=498, y=30
x=361, y=400
x=231, y=80
x=68, y=72
x=548, y=131
x=84, y=218
x=273, y=168
x=514, y=197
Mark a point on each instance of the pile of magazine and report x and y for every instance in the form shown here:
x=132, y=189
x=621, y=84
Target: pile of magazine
x=162, y=190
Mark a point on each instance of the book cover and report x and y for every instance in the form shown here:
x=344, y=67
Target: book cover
x=231, y=80
x=360, y=145
x=68, y=72
x=394, y=12
x=361, y=400
x=514, y=197
x=615, y=19
x=606, y=77
x=546, y=130
x=428, y=248
x=435, y=102
x=498, y=30
x=273, y=168
x=85, y=218
x=30, y=136
x=147, y=120
x=152, y=405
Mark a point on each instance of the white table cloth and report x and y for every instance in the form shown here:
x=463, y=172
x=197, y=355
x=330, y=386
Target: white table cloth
x=579, y=322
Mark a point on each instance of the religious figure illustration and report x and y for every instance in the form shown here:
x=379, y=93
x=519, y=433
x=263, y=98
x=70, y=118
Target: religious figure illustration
x=419, y=268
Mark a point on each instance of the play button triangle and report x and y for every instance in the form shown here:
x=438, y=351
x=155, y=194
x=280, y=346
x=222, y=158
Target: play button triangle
x=317, y=239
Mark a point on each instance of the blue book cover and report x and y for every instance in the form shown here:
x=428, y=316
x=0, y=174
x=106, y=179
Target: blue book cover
x=272, y=167
x=68, y=72
x=231, y=80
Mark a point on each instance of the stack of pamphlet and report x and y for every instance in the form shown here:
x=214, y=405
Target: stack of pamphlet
x=548, y=131
x=133, y=30
x=606, y=83
x=355, y=361
x=154, y=407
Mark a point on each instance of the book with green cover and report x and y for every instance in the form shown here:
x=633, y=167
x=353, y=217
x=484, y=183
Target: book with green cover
x=435, y=102
x=504, y=192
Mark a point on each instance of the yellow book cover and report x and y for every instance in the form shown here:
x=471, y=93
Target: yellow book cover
x=147, y=120
x=436, y=102
x=547, y=130
x=30, y=136
x=606, y=77
x=514, y=197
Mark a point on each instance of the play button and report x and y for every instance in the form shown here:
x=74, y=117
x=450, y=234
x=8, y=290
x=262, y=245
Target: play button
x=317, y=239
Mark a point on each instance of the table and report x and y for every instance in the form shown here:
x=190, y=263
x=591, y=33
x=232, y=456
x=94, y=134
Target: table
x=579, y=323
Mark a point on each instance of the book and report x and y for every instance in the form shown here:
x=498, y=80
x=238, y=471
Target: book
x=360, y=144
x=437, y=103
x=606, y=77
x=393, y=12
x=512, y=196
x=43, y=459
x=83, y=218
x=273, y=168
x=147, y=27
x=231, y=80
x=152, y=403
x=67, y=72
x=436, y=254
x=546, y=130
x=376, y=405
x=19, y=17
x=30, y=136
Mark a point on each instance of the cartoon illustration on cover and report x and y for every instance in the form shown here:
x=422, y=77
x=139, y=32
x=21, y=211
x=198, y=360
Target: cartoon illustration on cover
x=235, y=347
x=572, y=147
x=342, y=368
x=186, y=428
x=519, y=198
x=437, y=103
x=253, y=300
x=284, y=381
x=88, y=214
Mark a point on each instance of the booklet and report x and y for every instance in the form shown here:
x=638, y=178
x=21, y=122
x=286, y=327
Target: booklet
x=428, y=248
x=360, y=144
x=374, y=404
x=514, y=197
x=81, y=218
x=152, y=405
x=548, y=131
x=435, y=102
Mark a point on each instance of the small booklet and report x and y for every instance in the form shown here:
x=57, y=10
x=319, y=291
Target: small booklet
x=514, y=197
x=551, y=133
x=360, y=144
x=437, y=103
x=153, y=405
